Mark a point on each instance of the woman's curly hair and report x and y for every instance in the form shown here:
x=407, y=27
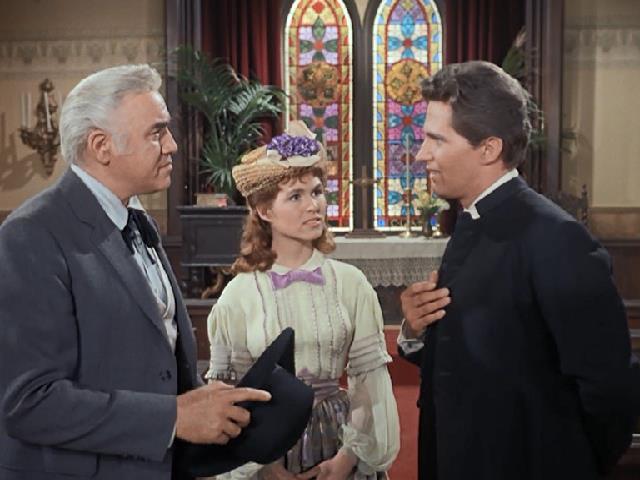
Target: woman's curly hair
x=255, y=247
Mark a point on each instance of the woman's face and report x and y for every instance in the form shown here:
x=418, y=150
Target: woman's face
x=299, y=209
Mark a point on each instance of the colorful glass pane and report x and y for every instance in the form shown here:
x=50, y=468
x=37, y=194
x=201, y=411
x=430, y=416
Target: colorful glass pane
x=318, y=74
x=407, y=47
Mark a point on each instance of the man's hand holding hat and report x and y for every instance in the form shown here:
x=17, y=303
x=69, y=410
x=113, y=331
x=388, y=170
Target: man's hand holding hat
x=274, y=428
x=209, y=414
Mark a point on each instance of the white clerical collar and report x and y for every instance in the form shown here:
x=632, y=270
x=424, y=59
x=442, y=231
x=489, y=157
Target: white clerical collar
x=473, y=211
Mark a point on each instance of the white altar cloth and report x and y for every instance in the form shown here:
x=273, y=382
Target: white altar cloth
x=392, y=261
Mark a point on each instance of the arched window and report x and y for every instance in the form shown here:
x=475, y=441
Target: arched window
x=401, y=44
x=407, y=47
x=318, y=79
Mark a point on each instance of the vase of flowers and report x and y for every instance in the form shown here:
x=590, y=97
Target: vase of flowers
x=429, y=206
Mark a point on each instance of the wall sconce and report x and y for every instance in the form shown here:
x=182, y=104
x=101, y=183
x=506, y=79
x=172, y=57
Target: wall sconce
x=43, y=138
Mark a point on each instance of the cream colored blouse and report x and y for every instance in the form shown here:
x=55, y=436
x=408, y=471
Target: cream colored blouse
x=338, y=328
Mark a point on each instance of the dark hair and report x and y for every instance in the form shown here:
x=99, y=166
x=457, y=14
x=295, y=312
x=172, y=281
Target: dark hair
x=255, y=246
x=485, y=102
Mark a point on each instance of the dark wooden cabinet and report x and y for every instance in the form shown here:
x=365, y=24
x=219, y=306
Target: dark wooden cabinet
x=210, y=244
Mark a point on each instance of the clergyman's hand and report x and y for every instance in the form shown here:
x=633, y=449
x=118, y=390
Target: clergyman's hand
x=423, y=305
x=209, y=415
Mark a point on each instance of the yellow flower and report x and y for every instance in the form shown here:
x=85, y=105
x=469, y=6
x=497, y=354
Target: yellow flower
x=430, y=205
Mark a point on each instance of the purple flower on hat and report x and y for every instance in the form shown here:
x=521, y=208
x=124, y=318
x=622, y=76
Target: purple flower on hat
x=288, y=146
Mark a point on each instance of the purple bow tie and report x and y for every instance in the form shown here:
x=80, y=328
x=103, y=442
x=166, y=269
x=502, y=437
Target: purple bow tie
x=281, y=281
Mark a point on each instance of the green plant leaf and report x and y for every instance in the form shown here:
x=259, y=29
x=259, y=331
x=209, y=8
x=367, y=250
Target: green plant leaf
x=233, y=109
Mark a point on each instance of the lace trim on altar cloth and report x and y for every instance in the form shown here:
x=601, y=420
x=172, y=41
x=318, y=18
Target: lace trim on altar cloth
x=395, y=272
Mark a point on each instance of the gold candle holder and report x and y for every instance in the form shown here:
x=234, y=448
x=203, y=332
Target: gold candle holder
x=407, y=233
x=43, y=138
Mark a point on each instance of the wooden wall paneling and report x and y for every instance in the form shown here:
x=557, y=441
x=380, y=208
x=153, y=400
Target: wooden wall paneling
x=183, y=27
x=199, y=311
x=544, y=25
x=625, y=256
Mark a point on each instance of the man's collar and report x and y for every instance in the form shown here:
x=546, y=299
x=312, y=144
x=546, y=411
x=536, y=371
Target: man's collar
x=108, y=200
x=473, y=208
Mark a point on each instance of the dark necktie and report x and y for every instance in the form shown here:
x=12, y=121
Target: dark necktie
x=137, y=220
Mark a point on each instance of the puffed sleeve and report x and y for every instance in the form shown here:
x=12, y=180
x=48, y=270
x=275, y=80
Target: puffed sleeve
x=226, y=327
x=230, y=358
x=372, y=433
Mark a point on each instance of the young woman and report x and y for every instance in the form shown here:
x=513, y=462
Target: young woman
x=284, y=279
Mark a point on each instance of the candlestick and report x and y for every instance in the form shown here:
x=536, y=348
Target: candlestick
x=43, y=138
x=364, y=183
x=408, y=191
x=46, y=111
x=28, y=110
x=406, y=161
x=23, y=110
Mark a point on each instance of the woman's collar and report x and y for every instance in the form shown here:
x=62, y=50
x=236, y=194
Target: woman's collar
x=315, y=260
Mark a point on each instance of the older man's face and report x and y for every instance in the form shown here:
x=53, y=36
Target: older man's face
x=142, y=162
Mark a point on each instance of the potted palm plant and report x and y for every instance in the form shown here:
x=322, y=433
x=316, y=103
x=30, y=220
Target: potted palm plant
x=233, y=109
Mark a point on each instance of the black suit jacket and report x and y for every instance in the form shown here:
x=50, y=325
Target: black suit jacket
x=87, y=377
x=528, y=375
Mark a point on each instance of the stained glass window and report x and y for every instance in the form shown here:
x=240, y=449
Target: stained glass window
x=318, y=73
x=407, y=47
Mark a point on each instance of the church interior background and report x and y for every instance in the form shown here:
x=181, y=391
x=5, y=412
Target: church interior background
x=350, y=70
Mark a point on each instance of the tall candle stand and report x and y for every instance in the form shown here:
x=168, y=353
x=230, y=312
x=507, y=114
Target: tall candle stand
x=43, y=138
x=364, y=183
x=407, y=233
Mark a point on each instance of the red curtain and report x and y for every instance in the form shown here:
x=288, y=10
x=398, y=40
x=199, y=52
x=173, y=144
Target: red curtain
x=481, y=29
x=247, y=34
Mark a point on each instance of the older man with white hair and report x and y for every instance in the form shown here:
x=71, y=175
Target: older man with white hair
x=97, y=356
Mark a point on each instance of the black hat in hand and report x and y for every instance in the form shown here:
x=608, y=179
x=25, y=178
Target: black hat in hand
x=275, y=426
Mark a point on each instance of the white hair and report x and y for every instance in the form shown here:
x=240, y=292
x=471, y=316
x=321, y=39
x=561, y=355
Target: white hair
x=91, y=103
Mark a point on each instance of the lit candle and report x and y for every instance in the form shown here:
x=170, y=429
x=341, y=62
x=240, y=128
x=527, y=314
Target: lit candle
x=46, y=110
x=23, y=110
x=28, y=110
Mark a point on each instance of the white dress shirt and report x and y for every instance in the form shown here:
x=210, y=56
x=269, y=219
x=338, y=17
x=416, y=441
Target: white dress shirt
x=145, y=257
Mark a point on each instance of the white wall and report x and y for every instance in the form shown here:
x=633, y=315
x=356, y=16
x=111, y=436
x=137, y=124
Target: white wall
x=601, y=90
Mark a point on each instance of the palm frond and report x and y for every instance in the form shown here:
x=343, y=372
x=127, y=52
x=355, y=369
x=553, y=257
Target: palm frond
x=233, y=108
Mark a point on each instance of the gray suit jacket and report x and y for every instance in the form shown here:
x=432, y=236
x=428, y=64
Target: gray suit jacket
x=87, y=377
